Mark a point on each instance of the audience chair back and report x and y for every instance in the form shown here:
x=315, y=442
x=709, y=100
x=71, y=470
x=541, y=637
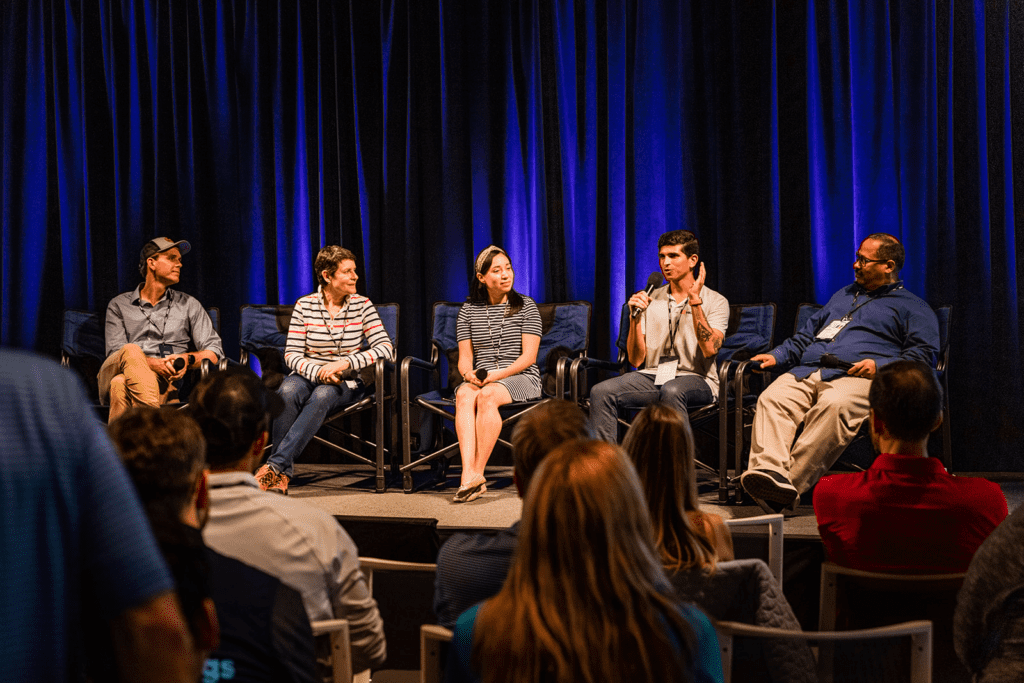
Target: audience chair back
x=852, y=598
x=341, y=650
x=434, y=641
x=901, y=652
x=773, y=523
x=263, y=335
x=405, y=597
x=565, y=336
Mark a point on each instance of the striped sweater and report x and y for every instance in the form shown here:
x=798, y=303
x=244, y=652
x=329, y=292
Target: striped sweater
x=315, y=339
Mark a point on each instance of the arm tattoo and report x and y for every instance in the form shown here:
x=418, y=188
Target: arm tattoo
x=703, y=332
x=718, y=345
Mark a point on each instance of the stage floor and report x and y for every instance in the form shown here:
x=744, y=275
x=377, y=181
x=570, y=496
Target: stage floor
x=348, y=490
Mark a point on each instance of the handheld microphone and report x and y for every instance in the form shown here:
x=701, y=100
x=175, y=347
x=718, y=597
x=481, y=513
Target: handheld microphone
x=829, y=360
x=653, y=282
x=179, y=364
x=481, y=374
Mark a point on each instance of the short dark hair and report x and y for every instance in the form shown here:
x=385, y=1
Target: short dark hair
x=329, y=258
x=907, y=397
x=541, y=431
x=233, y=407
x=478, y=292
x=684, y=238
x=889, y=248
x=165, y=453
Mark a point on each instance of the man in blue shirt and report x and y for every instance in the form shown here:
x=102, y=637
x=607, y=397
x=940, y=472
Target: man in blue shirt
x=73, y=535
x=865, y=325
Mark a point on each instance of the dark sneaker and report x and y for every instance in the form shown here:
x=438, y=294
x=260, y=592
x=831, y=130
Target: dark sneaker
x=770, y=490
x=281, y=485
x=267, y=477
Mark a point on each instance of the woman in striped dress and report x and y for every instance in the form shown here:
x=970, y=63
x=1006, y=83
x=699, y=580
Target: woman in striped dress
x=325, y=352
x=499, y=332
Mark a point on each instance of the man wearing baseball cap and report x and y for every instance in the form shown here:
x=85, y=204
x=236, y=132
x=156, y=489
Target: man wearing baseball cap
x=148, y=329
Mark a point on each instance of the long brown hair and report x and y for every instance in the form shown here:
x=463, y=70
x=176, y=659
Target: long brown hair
x=586, y=598
x=660, y=444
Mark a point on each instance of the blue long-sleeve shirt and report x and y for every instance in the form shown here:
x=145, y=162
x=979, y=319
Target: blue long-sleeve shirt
x=886, y=324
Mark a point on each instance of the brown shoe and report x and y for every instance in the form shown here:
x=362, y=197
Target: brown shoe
x=281, y=485
x=266, y=477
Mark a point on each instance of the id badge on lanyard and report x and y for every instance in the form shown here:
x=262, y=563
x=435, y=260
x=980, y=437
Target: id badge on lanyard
x=829, y=332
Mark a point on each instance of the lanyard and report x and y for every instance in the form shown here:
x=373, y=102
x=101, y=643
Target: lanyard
x=490, y=334
x=167, y=313
x=327, y=323
x=673, y=330
x=849, y=316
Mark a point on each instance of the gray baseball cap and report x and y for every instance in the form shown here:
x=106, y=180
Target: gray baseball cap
x=160, y=244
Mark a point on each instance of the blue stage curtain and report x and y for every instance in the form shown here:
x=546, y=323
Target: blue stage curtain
x=572, y=133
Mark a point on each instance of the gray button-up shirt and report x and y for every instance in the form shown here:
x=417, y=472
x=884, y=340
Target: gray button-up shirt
x=177, y=319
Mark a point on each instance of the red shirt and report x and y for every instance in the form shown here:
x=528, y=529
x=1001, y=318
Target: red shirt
x=906, y=514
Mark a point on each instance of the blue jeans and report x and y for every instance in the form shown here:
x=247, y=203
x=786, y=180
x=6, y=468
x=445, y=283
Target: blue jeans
x=305, y=406
x=636, y=390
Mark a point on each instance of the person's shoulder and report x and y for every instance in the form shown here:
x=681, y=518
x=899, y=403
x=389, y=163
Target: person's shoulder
x=529, y=301
x=25, y=368
x=836, y=487
x=124, y=298
x=307, y=301
x=461, y=547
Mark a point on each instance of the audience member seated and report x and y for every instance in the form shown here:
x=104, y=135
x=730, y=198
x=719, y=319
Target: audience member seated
x=905, y=513
x=301, y=545
x=472, y=567
x=165, y=455
x=586, y=598
x=660, y=443
x=72, y=528
x=148, y=333
x=988, y=627
x=264, y=631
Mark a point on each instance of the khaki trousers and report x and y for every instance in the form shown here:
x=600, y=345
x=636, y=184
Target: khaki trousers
x=831, y=413
x=125, y=380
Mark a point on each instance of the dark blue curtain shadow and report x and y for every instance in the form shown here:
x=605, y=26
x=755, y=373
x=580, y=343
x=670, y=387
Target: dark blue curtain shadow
x=572, y=133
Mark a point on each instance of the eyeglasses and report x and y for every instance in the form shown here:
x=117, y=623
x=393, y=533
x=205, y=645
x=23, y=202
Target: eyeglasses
x=864, y=260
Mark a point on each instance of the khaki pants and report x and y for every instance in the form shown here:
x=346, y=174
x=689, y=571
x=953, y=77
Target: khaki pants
x=125, y=380
x=831, y=412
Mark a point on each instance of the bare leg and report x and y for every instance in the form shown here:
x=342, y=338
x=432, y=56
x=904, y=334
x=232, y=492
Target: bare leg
x=465, y=425
x=488, y=428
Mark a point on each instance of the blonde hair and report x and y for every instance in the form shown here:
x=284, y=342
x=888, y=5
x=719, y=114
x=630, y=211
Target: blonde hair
x=660, y=444
x=586, y=598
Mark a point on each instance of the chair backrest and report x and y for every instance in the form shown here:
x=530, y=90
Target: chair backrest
x=82, y=335
x=264, y=327
x=862, y=655
x=773, y=523
x=405, y=595
x=751, y=330
x=341, y=647
x=803, y=314
x=745, y=591
x=836, y=581
x=564, y=325
x=434, y=642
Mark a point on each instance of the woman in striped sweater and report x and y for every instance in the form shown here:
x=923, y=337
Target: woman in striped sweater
x=325, y=351
x=499, y=332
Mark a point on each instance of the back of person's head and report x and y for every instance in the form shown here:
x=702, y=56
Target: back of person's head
x=233, y=408
x=165, y=454
x=541, y=431
x=907, y=397
x=586, y=598
x=660, y=444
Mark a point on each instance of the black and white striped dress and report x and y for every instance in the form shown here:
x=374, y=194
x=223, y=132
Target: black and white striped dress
x=498, y=342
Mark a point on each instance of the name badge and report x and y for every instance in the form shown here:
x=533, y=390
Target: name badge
x=829, y=332
x=666, y=370
x=165, y=350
